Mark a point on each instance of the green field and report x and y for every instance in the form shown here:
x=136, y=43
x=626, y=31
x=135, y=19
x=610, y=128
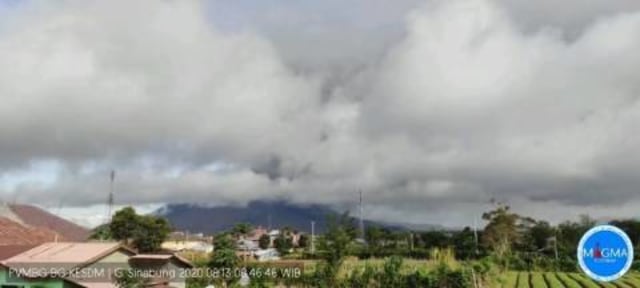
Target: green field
x=568, y=280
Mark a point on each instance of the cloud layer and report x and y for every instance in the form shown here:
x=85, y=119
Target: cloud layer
x=469, y=103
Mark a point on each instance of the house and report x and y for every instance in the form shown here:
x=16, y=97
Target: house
x=256, y=233
x=183, y=241
x=246, y=249
x=267, y=255
x=32, y=267
x=162, y=262
x=78, y=265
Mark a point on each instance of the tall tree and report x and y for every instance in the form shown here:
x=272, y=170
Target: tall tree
x=283, y=244
x=124, y=225
x=465, y=244
x=224, y=253
x=242, y=229
x=538, y=237
x=224, y=258
x=150, y=233
x=375, y=239
x=502, y=230
x=569, y=234
x=333, y=247
x=145, y=233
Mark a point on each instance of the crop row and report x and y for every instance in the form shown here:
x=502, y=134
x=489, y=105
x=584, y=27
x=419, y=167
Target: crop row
x=564, y=280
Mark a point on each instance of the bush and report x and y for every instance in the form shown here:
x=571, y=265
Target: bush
x=635, y=266
x=442, y=276
x=390, y=276
x=363, y=279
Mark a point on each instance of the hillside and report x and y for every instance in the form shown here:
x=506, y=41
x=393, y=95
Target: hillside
x=26, y=224
x=202, y=219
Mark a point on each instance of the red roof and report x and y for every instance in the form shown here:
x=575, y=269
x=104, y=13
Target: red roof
x=35, y=217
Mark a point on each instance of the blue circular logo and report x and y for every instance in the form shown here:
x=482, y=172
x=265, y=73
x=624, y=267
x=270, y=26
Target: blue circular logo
x=605, y=253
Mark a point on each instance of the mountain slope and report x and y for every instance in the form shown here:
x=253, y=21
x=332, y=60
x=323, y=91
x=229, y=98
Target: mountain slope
x=201, y=219
x=33, y=216
x=26, y=224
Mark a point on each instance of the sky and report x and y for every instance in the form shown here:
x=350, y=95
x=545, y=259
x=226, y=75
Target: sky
x=431, y=108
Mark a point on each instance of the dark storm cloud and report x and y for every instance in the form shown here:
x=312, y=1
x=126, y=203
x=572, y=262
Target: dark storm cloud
x=465, y=102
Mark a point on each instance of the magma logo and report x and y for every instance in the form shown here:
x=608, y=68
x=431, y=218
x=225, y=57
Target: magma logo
x=605, y=253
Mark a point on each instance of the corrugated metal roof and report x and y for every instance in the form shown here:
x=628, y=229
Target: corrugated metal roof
x=152, y=256
x=64, y=252
x=97, y=284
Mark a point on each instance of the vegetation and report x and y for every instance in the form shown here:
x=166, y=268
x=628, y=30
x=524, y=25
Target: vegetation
x=283, y=244
x=242, y=229
x=512, y=251
x=144, y=232
x=264, y=242
x=303, y=241
x=223, y=259
x=224, y=255
x=333, y=248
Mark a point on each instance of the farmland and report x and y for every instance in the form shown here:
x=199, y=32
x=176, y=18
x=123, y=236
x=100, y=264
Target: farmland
x=562, y=280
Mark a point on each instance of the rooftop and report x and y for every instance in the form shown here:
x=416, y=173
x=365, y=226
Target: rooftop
x=64, y=252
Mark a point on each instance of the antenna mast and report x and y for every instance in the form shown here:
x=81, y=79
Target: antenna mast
x=110, y=200
x=361, y=217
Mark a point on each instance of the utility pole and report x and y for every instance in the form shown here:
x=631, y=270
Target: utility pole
x=475, y=233
x=313, y=237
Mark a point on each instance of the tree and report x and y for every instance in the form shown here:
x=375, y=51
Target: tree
x=124, y=224
x=241, y=229
x=146, y=233
x=502, y=230
x=283, y=244
x=538, y=236
x=303, y=241
x=150, y=233
x=224, y=256
x=631, y=227
x=223, y=245
x=101, y=232
x=375, y=239
x=435, y=239
x=465, y=244
x=569, y=234
x=333, y=247
x=264, y=241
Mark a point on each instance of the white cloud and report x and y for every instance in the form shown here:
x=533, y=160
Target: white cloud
x=466, y=107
